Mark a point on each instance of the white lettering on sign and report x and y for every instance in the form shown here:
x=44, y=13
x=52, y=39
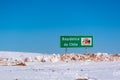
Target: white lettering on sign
x=73, y=44
x=65, y=44
x=70, y=39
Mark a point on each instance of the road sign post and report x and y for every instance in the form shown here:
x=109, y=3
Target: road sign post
x=66, y=51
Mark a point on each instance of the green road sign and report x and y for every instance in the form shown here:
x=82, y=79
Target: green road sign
x=76, y=41
x=70, y=41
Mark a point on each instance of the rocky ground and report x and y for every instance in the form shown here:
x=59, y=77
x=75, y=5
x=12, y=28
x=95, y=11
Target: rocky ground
x=36, y=66
x=22, y=59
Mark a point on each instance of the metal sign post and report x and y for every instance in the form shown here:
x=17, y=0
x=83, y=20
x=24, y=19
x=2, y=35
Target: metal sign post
x=66, y=50
x=86, y=50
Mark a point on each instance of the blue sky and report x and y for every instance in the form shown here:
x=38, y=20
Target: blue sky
x=36, y=25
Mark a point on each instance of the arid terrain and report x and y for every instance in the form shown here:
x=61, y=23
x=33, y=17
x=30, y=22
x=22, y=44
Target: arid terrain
x=37, y=66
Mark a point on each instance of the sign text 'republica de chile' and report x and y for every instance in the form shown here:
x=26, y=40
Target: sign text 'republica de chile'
x=76, y=41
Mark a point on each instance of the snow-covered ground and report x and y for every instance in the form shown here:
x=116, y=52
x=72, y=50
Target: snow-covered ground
x=73, y=70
